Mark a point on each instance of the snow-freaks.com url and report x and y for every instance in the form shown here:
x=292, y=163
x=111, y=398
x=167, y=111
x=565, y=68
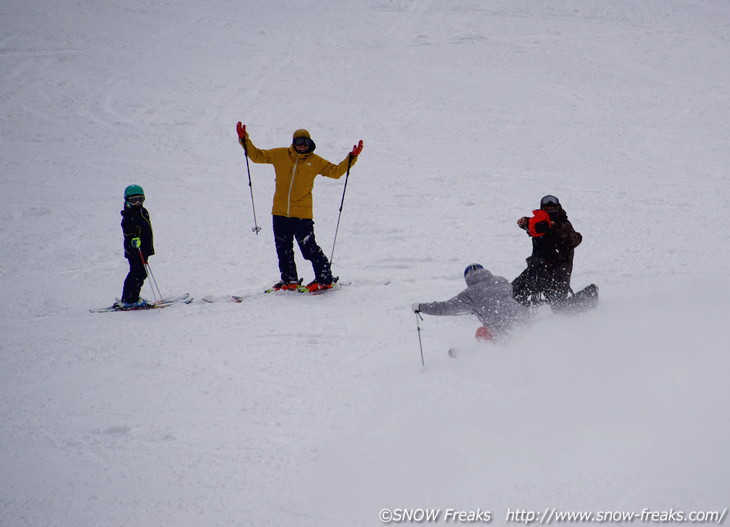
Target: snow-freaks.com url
x=552, y=515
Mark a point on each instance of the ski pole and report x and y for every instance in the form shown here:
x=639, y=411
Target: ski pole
x=342, y=202
x=420, y=344
x=158, y=294
x=255, y=227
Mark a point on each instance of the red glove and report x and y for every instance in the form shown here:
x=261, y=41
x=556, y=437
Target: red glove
x=241, y=129
x=356, y=149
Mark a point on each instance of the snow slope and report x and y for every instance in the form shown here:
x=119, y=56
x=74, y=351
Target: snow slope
x=298, y=410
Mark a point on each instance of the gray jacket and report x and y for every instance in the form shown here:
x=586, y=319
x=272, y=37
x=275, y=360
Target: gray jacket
x=488, y=297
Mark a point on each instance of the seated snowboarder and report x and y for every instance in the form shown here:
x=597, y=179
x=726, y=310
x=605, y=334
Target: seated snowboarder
x=549, y=268
x=487, y=296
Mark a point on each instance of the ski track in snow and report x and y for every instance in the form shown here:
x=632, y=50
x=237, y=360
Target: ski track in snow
x=315, y=410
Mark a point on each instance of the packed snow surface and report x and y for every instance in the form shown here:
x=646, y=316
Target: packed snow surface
x=298, y=410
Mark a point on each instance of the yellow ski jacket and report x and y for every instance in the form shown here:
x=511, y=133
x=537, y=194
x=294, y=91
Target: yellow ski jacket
x=295, y=175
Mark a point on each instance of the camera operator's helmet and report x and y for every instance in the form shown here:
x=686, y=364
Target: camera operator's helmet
x=549, y=201
x=551, y=205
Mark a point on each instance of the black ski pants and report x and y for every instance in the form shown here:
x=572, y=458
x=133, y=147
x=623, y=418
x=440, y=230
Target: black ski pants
x=552, y=281
x=301, y=229
x=135, y=279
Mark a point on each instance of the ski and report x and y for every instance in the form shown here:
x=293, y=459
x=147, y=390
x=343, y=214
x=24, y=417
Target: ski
x=234, y=299
x=282, y=289
x=335, y=285
x=237, y=299
x=463, y=351
x=339, y=284
x=165, y=302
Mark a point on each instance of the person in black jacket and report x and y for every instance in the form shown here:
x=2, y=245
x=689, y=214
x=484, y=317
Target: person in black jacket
x=138, y=244
x=551, y=263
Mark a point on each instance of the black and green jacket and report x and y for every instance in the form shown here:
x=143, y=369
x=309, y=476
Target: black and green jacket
x=136, y=224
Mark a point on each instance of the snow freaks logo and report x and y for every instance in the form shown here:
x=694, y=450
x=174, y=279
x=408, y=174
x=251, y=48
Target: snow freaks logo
x=434, y=515
x=550, y=516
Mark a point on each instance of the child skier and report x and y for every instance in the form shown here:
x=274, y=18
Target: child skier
x=138, y=245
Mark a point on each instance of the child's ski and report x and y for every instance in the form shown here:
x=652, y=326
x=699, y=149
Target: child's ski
x=118, y=306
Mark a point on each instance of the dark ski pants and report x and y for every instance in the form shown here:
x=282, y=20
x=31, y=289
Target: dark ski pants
x=540, y=279
x=135, y=279
x=288, y=229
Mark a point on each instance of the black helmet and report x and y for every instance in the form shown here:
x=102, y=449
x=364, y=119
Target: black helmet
x=549, y=201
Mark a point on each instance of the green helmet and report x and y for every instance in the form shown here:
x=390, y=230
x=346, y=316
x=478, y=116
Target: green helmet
x=133, y=190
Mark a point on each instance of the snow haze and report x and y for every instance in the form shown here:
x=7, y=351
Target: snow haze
x=297, y=410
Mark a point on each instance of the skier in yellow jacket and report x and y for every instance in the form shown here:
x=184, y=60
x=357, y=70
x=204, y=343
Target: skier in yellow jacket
x=296, y=167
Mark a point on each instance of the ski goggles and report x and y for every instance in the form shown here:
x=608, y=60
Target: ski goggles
x=135, y=200
x=302, y=141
